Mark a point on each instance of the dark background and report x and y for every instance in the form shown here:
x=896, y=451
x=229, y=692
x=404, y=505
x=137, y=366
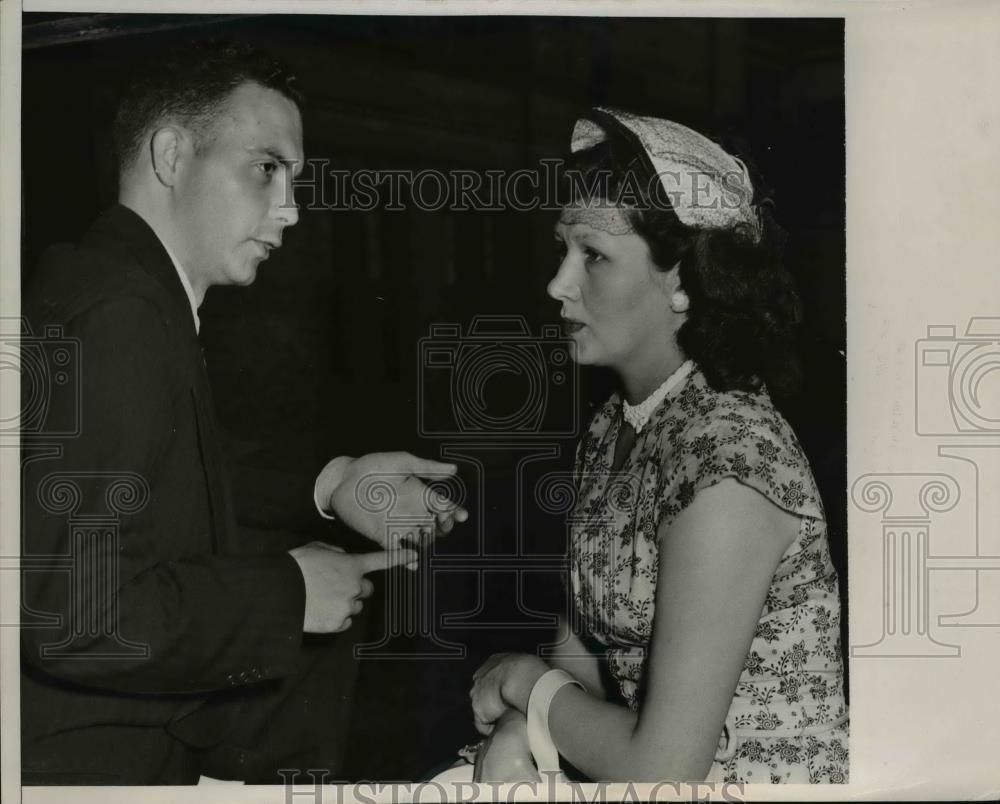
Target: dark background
x=321, y=355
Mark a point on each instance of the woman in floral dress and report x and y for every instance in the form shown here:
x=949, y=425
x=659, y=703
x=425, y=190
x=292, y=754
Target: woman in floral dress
x=704, y=636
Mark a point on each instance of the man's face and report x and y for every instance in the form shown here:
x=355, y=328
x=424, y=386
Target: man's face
x=235, y=196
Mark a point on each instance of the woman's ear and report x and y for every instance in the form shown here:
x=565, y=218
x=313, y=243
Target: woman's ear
x=679, y=301
x=669, y=281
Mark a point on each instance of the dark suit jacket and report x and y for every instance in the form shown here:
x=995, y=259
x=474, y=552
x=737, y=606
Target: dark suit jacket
x=141, y=598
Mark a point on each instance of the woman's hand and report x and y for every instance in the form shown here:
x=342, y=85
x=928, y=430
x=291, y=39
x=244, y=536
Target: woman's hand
x=503, y=681
x=505, y=756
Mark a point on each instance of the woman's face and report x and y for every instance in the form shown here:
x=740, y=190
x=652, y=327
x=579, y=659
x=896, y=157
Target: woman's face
x=615, y=301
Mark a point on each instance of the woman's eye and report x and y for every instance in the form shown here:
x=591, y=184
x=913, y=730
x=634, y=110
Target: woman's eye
x=592, y=256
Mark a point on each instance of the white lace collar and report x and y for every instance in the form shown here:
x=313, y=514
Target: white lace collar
x=638, y=415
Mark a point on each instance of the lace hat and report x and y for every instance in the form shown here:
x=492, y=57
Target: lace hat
x=708, y=188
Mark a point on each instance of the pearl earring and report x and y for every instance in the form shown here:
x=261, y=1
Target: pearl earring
x=679, y=302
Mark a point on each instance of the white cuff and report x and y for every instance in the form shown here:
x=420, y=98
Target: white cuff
x=332, y=473
x=319, y=509
x=539, y=737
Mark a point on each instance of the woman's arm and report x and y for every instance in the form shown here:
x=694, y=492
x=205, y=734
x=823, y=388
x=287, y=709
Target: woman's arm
x=717, y=559
x=505, y=755
x=574, y=656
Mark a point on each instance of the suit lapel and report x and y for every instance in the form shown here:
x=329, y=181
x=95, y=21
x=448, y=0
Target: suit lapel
x=128, y=230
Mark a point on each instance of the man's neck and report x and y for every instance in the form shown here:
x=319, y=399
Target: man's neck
x=164, y=232
x=194, y=293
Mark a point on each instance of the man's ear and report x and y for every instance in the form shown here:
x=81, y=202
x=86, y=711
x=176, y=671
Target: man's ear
x=167, y=149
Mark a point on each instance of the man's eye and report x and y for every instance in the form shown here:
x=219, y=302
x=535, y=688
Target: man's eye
x=267, y=168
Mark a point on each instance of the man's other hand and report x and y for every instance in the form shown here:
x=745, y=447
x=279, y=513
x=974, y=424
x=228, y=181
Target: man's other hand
x=371, y=493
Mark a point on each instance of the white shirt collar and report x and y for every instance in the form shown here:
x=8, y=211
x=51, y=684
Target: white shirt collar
x=186, y=284
x=638, y=415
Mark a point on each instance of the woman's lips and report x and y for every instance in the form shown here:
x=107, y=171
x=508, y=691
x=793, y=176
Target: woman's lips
x=570, y=327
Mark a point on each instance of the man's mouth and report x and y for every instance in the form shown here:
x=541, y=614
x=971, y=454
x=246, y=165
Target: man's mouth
x=266, y=247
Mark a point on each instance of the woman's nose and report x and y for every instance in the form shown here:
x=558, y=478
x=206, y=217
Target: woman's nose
x=562, y=287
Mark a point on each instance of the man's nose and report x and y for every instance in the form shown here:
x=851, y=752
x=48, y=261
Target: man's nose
x=285, y=209
x=288, y=214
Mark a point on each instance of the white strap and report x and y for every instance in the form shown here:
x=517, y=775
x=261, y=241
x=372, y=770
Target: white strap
x=543, y=750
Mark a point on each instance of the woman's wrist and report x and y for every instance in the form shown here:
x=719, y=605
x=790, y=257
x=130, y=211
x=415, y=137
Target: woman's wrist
x=512, y=718
x=516, y=688
x=511, y=728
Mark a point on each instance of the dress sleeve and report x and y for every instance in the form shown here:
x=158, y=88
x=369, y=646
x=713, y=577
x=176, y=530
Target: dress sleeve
x=756, y=447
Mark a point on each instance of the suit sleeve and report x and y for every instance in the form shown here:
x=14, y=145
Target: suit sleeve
x=178, y=622
x=269, y=498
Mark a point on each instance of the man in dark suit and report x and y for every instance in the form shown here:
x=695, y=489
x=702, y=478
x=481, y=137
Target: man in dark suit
x=158, y=638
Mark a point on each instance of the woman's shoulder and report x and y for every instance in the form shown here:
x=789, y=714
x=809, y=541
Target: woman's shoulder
x=698, y=411
x=708, y=435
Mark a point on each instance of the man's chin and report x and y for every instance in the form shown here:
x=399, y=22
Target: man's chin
x=246, y=275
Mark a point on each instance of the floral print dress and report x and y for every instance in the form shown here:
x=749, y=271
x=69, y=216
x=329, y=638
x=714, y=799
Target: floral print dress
x=788, y=719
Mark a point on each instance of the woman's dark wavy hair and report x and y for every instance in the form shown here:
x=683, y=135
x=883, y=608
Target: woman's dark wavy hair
x=744, y=311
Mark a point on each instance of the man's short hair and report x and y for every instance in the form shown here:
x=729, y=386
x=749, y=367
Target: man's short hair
x=190, y=85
